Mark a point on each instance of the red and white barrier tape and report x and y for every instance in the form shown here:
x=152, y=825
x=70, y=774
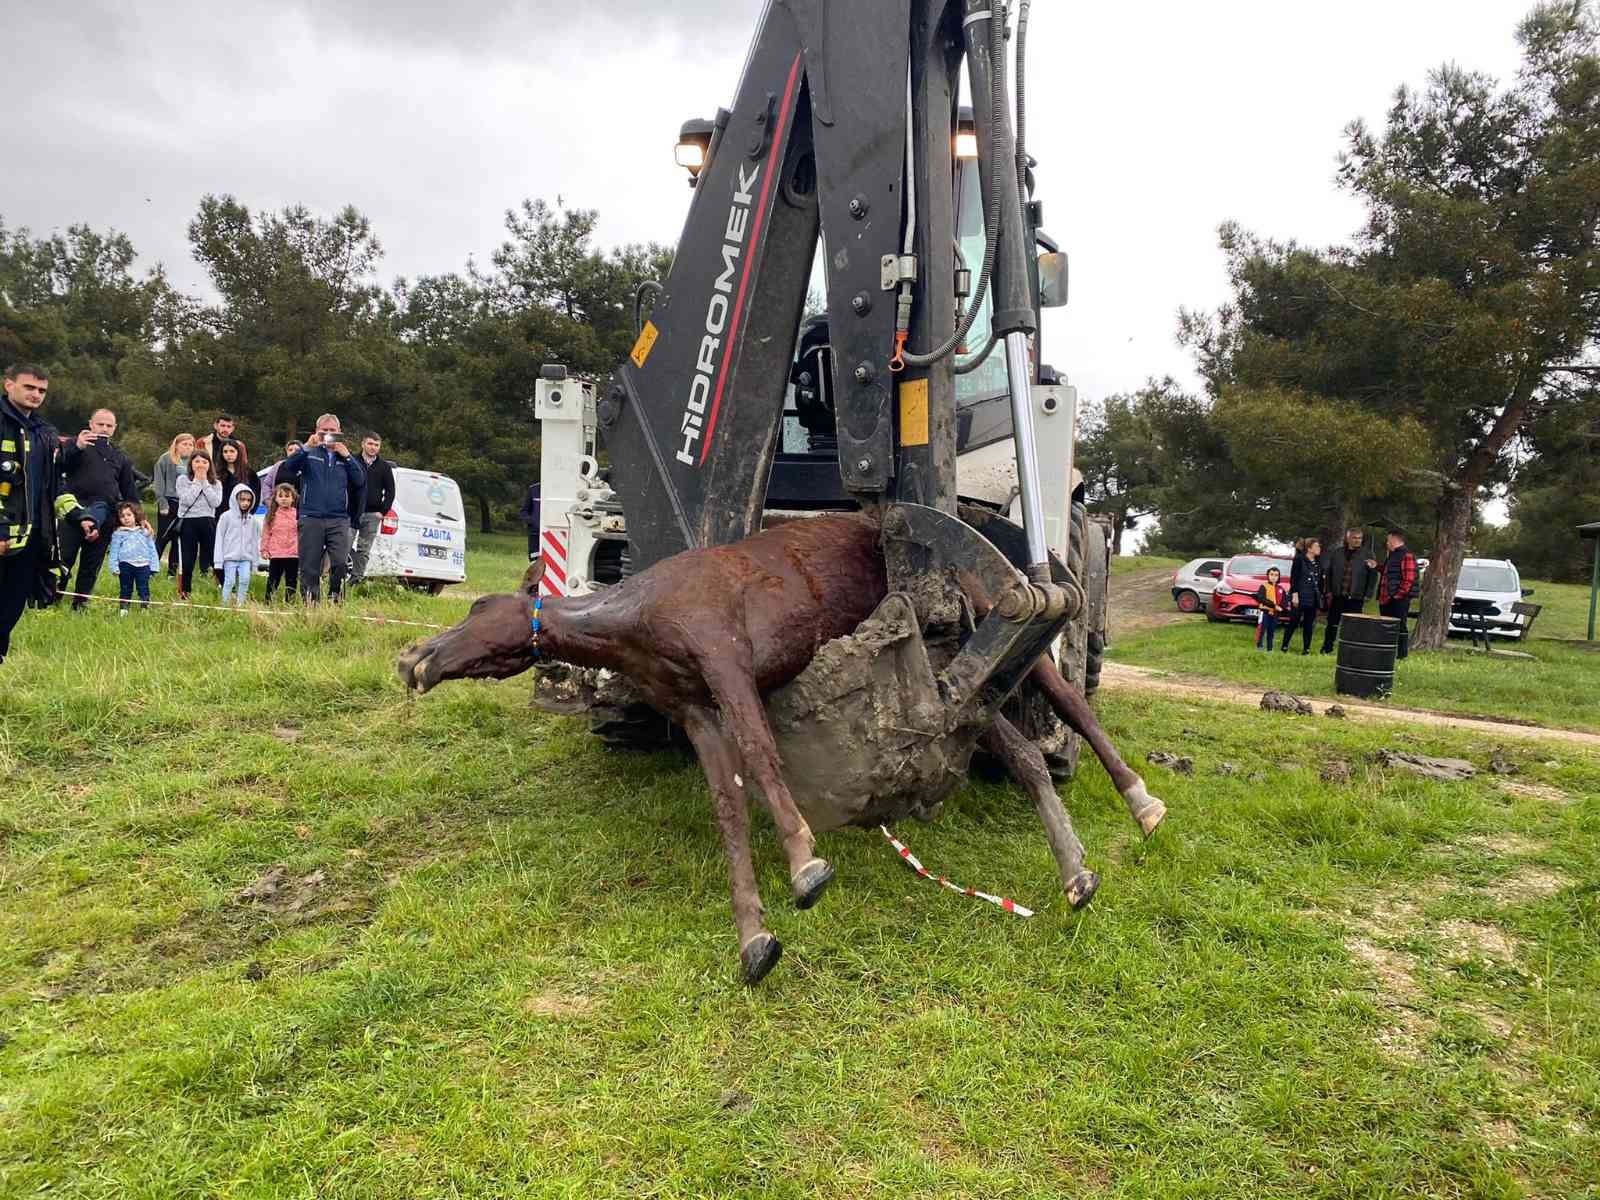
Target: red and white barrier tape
x=1011, y=906
x=229, y=608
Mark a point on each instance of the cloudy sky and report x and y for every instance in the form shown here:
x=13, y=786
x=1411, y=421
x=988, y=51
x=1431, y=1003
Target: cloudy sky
x=1153, y=122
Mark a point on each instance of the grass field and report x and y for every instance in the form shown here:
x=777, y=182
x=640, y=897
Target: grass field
x=1126, y=564
x=1559, y=687
x=500, y=962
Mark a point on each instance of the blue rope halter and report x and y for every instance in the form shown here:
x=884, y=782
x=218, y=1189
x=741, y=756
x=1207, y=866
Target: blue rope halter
x=533, y=624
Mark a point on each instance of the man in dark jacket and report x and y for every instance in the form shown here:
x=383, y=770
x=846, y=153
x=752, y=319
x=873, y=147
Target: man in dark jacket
x=376, y=500
x=101, y=477
x=530, y=517
x=327, y=472
x=1397, y=586
x=1347, y=581
x=30, y=498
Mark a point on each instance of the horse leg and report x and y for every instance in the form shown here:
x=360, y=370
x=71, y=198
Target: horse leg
x=758, y=949
x=1027, y=766
x=1072, y=708
x=745, y=717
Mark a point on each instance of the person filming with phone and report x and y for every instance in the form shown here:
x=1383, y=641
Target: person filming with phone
x=327, y=473
x=101, y=477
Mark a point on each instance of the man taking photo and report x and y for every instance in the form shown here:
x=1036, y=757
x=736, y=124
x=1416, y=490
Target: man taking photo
x=100, y=476
x=30, y=499
x=327, y=472
x=376, y=502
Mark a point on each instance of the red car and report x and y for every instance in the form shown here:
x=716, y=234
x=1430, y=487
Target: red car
x=1234, y=598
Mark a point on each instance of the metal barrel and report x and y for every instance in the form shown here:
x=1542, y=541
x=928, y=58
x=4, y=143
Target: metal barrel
x=1367, y=647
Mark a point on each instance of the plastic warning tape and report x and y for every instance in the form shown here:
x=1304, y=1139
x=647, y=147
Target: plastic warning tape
x=1011, y=906
x=260, y=612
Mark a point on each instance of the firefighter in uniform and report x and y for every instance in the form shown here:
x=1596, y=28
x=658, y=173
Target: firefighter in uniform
x=31, y=500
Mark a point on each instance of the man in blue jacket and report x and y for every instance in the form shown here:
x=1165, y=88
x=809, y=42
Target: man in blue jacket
x=328, y=473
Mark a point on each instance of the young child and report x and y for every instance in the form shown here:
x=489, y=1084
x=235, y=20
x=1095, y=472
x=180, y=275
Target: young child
x=280, y=541
x=238, y=543
x=132, y=555
x=1269, y=596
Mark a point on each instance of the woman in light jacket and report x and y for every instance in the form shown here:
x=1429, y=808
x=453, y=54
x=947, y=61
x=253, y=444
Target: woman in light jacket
x=199, y=493
x=169, y=468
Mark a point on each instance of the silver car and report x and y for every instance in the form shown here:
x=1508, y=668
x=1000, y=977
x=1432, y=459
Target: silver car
x=1193, y=583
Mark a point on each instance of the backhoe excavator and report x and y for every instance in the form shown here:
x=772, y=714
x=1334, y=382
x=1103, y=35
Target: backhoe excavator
x=917, y=396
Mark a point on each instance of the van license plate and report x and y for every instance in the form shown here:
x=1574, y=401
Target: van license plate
x=433, y=552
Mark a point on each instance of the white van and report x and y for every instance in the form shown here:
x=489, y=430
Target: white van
x=1497, y=581
x=422, y=541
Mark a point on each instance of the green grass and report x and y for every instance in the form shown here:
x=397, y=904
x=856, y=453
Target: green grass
x=1564, y=609
x=1559, y=687
x=1127, y=564
x=516, y=974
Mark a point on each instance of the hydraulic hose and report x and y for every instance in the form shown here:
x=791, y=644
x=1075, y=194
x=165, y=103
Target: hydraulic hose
x=997, y=58
x=649, y=285
x=1022, y=102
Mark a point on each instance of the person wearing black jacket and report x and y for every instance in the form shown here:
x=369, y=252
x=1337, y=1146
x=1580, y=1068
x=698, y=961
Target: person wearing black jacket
x=1305, y=594
x=530, y=517
x=377, y=498
x=100, y=476
x=31, y=500
x=1347, y=581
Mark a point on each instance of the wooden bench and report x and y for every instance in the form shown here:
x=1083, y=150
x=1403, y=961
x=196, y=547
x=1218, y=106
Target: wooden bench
x=1528, y=612
x=1474, y=615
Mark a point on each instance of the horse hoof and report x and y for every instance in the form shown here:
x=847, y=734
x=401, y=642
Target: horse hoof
x=811, y=881
x=760, y=955
x=1082, y=888
x=1151, y=815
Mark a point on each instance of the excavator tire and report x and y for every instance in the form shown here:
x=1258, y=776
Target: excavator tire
x=1096, y=580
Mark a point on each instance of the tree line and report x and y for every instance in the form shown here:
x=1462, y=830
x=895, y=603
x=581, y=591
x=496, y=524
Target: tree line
x=1447, y=354
x=299, y=324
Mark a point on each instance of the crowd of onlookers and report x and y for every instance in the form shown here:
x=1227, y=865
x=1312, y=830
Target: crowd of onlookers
x=1338, y=587
x=321, y=505
x=76, y=501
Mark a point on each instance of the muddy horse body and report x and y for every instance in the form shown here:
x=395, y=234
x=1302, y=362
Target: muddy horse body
x=706, y=636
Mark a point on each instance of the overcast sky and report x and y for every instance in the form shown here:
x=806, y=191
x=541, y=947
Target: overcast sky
x=1152, y=122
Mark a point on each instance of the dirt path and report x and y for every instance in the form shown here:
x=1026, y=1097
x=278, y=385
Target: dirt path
x=1143, y=600
x=1145, y=679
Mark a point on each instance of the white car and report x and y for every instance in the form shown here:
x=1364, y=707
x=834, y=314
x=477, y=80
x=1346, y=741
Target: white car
x=1193, y=583
x=1495, y=580
x=422, y=541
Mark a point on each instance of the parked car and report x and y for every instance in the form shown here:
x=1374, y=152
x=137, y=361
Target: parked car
x=1234, y=597
x=1497, y=581
x=422, y=541
x=1192, y=583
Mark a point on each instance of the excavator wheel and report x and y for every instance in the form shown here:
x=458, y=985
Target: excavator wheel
x=1094, y=573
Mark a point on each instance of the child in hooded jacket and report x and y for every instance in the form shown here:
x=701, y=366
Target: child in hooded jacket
x=238, y=543
x=280, y=541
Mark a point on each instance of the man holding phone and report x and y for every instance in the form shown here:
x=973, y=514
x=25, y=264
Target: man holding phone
x=101, y=477
x=328, y=472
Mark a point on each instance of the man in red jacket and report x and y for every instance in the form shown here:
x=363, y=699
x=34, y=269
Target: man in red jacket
x=1397, y=586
